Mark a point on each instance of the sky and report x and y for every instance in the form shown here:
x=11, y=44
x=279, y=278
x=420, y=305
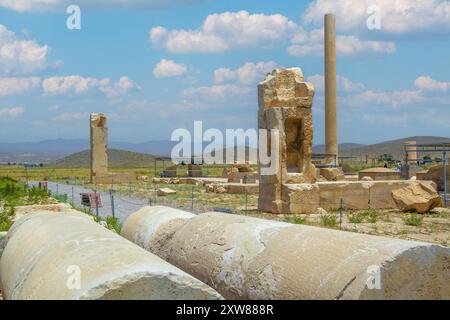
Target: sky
x=153, y=66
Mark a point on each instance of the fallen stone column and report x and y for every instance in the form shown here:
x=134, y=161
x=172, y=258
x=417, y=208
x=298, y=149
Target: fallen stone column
x=249, y=258
x=69, y=256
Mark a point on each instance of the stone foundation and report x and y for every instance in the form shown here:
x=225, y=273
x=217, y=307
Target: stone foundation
x=359, y=195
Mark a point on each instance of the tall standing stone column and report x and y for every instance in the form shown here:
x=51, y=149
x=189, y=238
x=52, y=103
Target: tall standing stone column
x=99, y=145
x=331, y=128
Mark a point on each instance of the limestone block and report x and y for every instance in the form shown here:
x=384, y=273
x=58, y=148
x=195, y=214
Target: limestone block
x=46, y=252
x=418, y=197
x=234, y=180
x=195, y=170
x=436, y=174
x=332, y=174
x=162, y=192
x=381, y=174
x=249, y=258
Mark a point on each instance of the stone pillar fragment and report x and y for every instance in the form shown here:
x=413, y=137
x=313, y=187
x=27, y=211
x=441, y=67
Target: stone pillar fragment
x=99, y=146
x=331, y=127
x=285, y=102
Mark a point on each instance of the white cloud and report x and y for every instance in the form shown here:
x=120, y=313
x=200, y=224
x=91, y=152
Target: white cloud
x=394, y=99
x=11, y=112
x=227, y=92
x=221, y=32
x=249, y=73
x=12, y=86
x=344, y=84
x=20, y=56
x=397, y=17
x=72, y=84
x=120, y=88
x=52, y=5
x=168, y=68
x=427, y=83
x=67, y=116
x=311, y=43
x=77, y=85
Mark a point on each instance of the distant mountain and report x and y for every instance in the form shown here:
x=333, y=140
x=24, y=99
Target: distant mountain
x=320, y=149
x=116, y=159
x=51, y=150
x=393, y=147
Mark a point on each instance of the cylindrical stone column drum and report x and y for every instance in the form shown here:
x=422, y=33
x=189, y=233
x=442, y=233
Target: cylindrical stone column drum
x=69, y=256
x=249, y=258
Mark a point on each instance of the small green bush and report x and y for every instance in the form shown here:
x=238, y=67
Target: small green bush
x=329, y=220
x=413, y=219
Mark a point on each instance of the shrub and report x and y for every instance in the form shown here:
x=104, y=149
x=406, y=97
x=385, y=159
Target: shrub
x=413, y=219
x=329, y=220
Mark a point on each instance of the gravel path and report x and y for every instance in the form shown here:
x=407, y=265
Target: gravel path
x=123, y=205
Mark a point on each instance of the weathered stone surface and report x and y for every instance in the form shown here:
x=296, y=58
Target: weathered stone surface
x=379, y=174
x=21, y=211
x=165, y=192
x=195, y=170
x=332, y=174
x=418, y=197
x=285, y=101
x=440, y=211
x=249, y=258
x=306, y=198
x=436, y=174
x=99, y=145
x=2, y=242
x=44, y=249
x=366, y=179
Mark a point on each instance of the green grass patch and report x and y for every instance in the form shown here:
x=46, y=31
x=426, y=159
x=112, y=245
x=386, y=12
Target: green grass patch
x=329, y=220
x=413, y=219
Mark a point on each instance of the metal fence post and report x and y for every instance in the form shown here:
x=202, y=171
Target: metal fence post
x=246, y=200
x=340, y=214
x=96, y=203
x=154, y=190
x=192, y=199
x=113, y=209
x=73, y=201
x=445, y=177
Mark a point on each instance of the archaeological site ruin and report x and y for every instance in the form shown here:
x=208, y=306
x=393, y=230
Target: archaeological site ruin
x=169, y=251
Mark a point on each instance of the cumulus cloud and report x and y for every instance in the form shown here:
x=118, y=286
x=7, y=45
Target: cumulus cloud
x=168, y=68
x=13, y=86
x=427, y=83
x=344, y=84
x=11, y=112
x=52, y=5
x=249, y=73
x=120, y=88
x=20, y=56
x=221, y=32
x=77, y=85
x=67, y=116
x=216, y=93
x=397, y=17
x=311, y=43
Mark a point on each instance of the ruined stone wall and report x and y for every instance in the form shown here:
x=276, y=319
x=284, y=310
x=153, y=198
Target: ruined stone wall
x=285, y=102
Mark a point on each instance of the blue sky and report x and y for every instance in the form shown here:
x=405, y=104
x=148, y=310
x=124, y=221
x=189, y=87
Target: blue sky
x=154, y=66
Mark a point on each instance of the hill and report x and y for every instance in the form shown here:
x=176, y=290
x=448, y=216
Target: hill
x=116, y=159
x=393, y=147
x=320, y=149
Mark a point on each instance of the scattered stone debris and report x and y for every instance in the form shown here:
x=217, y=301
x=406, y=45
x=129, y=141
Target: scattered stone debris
x=418, y=197
x=162, y=192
